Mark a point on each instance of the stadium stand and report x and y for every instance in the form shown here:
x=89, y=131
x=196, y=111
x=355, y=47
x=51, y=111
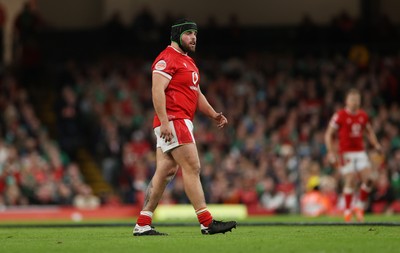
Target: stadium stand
x=278, y=90
x=278, y=106
x=33, y=168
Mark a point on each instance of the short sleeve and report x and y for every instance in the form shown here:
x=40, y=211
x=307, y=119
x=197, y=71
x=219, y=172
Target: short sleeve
x=164, y=65
x=335, y=121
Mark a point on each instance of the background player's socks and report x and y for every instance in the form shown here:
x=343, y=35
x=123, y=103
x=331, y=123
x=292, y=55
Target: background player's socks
x=348, y=198
x=144, y=218
x=364, y=193
x=362, y=202
x=204, y=216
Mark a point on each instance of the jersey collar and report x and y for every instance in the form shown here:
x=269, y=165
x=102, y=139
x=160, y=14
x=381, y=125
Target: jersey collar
x=350, y=112
x=185, y=54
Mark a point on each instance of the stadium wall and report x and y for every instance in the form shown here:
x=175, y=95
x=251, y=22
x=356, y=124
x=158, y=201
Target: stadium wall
x=391, y=8
x=164, y=212
x=253, y=12
x=89, y=13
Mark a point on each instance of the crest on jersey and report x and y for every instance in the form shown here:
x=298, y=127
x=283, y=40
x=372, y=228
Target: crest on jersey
x=160, y=65
x=195, y=77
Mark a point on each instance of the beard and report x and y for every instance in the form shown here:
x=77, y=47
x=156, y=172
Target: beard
x=188, y=47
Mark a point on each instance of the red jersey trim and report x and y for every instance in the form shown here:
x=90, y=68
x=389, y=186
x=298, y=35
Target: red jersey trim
x=163, y=74
x=334, y=125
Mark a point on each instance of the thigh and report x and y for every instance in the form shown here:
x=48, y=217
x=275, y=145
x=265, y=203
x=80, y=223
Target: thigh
x=362, y=162
x=186, y=156
x=350, y=178
x=368, y=176
x=182, y=131
x=347, y=164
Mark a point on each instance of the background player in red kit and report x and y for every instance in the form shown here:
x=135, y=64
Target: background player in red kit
x=350, y=124
x=176, y=96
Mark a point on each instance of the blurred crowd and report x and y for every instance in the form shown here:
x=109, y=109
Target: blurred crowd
x=271, y=156
x=33, y=168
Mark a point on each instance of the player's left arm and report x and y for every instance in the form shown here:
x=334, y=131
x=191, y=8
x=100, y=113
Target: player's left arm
x=205, y=107
x=372, y=137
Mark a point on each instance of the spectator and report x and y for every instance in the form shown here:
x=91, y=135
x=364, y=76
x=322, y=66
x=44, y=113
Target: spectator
x=27, y=52
x=68, y=121
x=115, y=31
x=144, y=26
x=313, y=202
x=271, y=199
x=85, y=198
x=307, y=32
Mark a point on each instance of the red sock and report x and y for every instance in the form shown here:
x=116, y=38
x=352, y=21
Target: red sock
x=204, y=216
x=348, y=198
x=364, y=193
x=144, y=218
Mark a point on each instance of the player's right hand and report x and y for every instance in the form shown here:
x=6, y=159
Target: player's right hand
x=166, y=132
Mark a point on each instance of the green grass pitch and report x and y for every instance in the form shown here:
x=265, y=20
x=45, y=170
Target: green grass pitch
x=250, y=236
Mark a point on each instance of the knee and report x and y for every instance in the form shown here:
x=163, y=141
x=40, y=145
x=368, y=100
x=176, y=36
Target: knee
x=350, y=180
x=171, y=174
x=196, y=170
x=193, y=168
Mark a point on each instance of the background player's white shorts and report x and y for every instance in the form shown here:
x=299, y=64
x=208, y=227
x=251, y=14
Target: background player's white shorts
x=182, y=130
x=354, y=162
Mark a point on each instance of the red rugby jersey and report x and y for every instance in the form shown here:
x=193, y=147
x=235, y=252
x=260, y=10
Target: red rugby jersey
x=350, y=127
x=183, y=89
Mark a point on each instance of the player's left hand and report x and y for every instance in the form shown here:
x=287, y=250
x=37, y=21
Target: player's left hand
x=378, y=148
x=221, y=120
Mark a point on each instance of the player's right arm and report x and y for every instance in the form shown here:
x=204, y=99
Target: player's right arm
x=329, y=134
x=159, y=84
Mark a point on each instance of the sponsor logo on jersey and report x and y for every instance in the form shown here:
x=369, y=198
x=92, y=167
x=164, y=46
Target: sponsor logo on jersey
x=160, y=65
x=195, y=77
